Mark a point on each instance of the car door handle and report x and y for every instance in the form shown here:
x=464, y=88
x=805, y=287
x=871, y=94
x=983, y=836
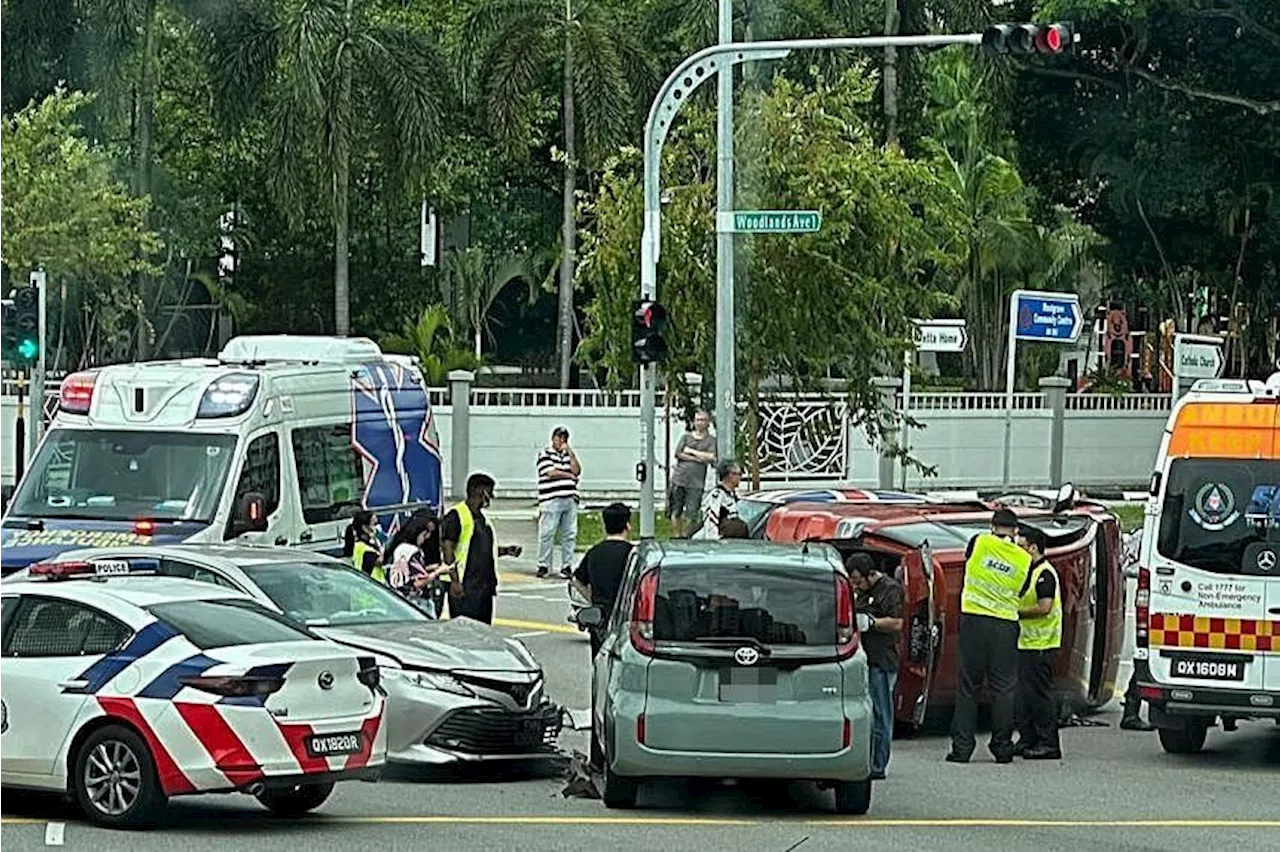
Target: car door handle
x=306, y=536
x=74, y=685
x=281, y=541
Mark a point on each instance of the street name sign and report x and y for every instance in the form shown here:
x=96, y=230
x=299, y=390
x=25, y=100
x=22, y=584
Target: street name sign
x=1052, y=317
x=941, y=335
x=770, y=221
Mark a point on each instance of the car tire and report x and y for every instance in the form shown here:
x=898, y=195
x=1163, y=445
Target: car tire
x=619, y=792
x=853, y=797
x=294, y=801
x=114, y=780
x=1188, y=739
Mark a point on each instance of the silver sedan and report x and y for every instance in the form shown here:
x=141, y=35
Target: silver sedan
x=458, y=690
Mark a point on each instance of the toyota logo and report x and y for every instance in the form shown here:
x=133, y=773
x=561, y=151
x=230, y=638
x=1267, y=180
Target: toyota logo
x=325, y=680
x=1267, y=560
x=746, y=656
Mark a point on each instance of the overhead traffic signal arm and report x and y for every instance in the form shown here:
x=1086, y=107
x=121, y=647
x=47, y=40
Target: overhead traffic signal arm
x=1026, y=39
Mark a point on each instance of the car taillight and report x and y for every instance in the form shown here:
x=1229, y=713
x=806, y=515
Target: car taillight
x=640, y=729
x=234, y=686
x=848, y=733
x=642, y=613
x=1142, y=607
x=846, y=625
x=76, y=393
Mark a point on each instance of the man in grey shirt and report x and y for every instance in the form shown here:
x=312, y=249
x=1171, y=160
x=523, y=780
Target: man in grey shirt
x=694, y=451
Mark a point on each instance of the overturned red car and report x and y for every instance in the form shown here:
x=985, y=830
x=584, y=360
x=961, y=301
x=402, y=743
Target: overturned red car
x=922, y=544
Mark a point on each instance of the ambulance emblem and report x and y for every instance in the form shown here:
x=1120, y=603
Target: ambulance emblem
x=1214, y=507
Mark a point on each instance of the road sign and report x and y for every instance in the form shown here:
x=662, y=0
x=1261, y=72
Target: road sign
x=941, y=335
x=1198, y=357
x=770, y=221
x=1053, y=317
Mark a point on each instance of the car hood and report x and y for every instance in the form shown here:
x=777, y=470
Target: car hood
x=455, y=644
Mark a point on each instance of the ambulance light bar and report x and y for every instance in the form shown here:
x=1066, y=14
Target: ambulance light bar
x=94, y=569
x=229, y=396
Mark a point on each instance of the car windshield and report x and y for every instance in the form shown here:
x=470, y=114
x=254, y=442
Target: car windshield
x=331, y=595
x=708, y=602
x=118, y=475
x=1215, y=508
x=939, y=536
x=218, y=624
x=751, y=511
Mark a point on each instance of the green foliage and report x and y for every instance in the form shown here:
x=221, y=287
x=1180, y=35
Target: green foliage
x=431, y=339
x=61, y=207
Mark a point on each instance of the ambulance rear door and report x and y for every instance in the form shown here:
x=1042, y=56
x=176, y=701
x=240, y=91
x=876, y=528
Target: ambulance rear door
x=1209, y=623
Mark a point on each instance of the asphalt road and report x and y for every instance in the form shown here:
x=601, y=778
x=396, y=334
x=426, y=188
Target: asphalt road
x=1115, y=790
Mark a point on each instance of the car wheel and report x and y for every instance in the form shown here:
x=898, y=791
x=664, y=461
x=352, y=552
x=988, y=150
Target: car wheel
x=853, y=797
x=618, y=792
x=1184, y=740
x=296, y=800
x=114, y=779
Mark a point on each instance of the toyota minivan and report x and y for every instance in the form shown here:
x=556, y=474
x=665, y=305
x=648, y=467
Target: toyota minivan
x=732, y=659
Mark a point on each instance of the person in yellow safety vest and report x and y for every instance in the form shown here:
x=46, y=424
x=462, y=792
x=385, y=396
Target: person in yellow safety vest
x=1040, y=637
x=995, y=572
x=469, y=550
x=359, y=545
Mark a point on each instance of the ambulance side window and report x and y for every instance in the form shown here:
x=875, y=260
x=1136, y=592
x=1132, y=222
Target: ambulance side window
x=330, y=472
x=261, y=472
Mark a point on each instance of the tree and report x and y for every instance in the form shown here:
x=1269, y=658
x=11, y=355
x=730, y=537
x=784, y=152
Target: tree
x=833, y=304
x=505, y=46
x=330, y=74
x=431, y=339
x=473, y=278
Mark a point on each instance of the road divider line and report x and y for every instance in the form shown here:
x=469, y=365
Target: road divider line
x=520, y=624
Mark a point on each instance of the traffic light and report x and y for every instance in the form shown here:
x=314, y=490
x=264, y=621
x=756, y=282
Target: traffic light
x=26, y=321
x=9, y=328
x=1025, y=39
x=648, y=325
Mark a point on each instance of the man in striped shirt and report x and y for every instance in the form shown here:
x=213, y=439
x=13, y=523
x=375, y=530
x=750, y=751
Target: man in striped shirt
x=558, y=472
x=722, y=503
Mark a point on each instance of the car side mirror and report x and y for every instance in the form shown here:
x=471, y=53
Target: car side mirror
x=1065, y=498
x=591, y=616
x=250, y=514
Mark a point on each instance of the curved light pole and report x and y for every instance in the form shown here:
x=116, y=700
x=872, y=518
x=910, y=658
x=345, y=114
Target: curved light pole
x=679, y=85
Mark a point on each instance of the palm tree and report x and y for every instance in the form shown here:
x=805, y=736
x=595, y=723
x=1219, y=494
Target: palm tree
x=329, y=73
x=430, y=338
x=472, y=281
x=505, y=46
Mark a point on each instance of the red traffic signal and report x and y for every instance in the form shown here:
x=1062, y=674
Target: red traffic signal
x=648, y=325
x=1025, y=39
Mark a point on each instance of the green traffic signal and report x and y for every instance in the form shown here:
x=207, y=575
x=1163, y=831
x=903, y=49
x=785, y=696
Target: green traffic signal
x=28, y=349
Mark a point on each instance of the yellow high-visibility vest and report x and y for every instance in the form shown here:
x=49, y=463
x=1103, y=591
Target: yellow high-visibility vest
x=357, y=559
x=463, y=546
x=1043, y=633
x=993, y=578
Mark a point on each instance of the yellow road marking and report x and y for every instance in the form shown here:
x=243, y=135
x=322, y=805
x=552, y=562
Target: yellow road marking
x=536, y=625
x=518, y=579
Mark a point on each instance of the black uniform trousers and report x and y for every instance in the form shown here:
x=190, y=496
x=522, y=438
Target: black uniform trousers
x=475, y=605
x=1037, y=714
x=988, y=653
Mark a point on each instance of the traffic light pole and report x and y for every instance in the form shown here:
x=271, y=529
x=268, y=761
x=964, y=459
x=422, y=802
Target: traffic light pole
x=675, y=91
x=35, y=423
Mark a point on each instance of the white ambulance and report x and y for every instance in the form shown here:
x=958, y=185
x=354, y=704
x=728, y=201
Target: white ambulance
x=277, y=441
x=1208, y=600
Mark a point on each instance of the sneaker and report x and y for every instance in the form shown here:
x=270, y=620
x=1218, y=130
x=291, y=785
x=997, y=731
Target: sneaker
x=542, y=571
x=1003, y=757
x=1019, y=748
x=566, y=573
x=1135, y=723
x=953, y=757
x=1042, y=753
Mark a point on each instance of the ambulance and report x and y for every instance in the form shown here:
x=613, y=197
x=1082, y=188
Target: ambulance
x=1208, y=601
x=278, y=441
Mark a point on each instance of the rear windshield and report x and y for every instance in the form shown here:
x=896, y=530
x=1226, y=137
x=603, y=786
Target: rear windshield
x=709, y=602
x=1215, y=508
x=217, y=624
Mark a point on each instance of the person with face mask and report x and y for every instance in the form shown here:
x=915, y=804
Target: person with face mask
x=470, y=552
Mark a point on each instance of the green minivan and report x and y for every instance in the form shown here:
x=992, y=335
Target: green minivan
x=732, y=659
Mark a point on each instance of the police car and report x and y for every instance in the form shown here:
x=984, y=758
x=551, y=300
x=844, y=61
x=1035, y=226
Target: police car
x=125, y=691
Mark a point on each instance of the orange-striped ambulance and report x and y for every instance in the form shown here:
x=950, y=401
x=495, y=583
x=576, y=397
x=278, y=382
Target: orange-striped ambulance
x=1208, y=602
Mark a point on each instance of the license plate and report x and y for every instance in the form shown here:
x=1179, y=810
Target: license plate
x=529, y=733
x=1209, y=666
x=334, y=745
x=749, y=685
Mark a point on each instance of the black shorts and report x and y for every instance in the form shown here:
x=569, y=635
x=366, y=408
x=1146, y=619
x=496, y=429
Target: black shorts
x=686, y=503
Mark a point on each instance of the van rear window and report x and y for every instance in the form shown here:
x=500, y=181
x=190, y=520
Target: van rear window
x=707, y=602
x=1214, y=509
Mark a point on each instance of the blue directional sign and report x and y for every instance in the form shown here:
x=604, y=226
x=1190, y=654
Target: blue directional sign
x=1053, y=317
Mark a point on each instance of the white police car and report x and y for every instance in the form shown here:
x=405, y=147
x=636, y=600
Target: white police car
x=126, y=691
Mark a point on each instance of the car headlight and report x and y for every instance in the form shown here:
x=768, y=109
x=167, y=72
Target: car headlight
x=428, y=680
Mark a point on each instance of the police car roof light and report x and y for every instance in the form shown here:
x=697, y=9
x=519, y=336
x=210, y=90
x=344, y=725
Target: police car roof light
x=91, y=570
x=76, y=393
x=61, y=570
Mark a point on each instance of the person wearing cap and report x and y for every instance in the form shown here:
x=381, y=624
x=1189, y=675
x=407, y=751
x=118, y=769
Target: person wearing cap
x=1039, y=638
x=995, y=573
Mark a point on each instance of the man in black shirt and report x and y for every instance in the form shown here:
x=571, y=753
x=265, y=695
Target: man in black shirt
x=599, y=574
x=465, y=530
x=880, y=611
x=1041, y=637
